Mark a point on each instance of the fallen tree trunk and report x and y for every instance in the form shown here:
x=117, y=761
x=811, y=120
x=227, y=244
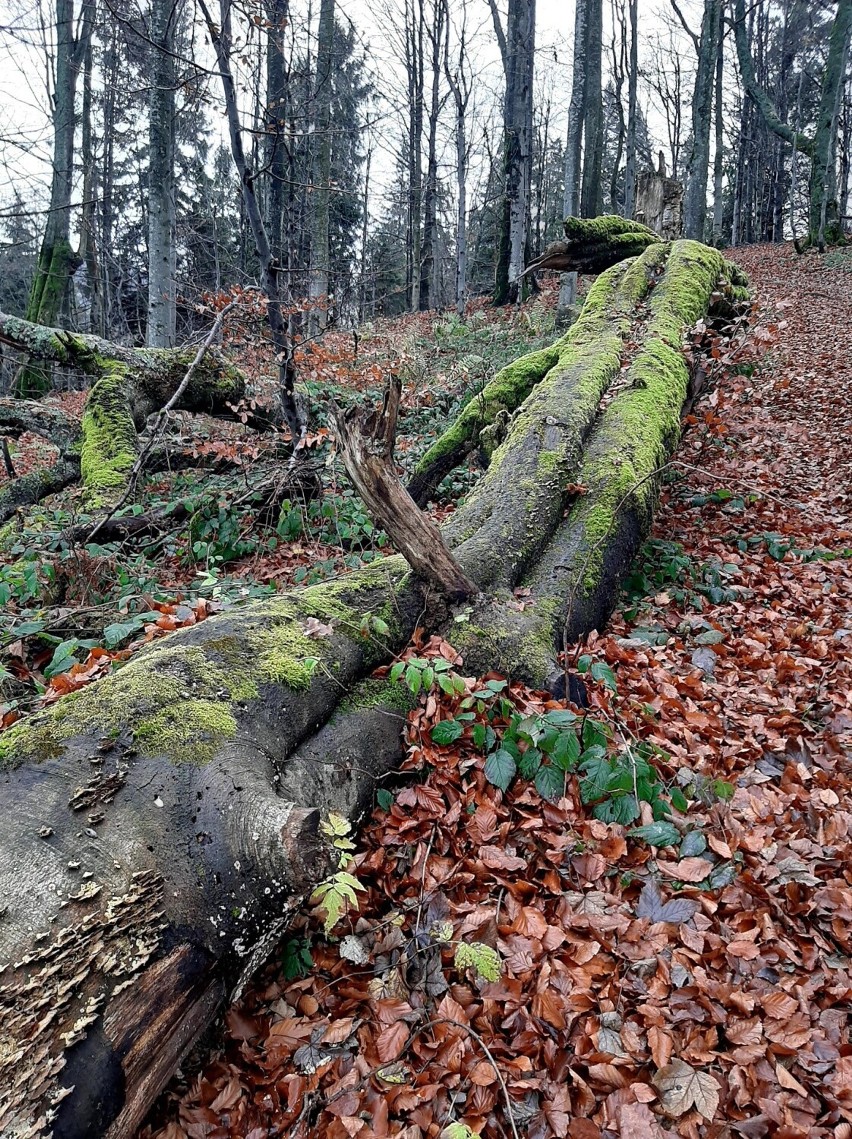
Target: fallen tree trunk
x=128, y=385
x=593, y=244
x=161, y=825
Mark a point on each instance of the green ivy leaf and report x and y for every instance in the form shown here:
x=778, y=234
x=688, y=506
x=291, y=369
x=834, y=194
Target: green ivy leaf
x=384, y=798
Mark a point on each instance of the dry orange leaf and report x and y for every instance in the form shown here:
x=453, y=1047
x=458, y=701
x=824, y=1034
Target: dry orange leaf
x=687, y=870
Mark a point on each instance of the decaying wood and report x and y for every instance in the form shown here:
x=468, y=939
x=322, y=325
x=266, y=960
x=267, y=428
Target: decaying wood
x=366, y=442
x=159, y=826
x=594, y=244
x=128, y=385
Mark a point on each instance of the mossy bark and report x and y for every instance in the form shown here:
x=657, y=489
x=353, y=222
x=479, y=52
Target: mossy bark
x=573, y=584
x=129, y=385
x=592, y=245
x=519, y=501
x=161, y=824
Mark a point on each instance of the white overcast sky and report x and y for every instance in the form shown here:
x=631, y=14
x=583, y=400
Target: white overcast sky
x=25, y=129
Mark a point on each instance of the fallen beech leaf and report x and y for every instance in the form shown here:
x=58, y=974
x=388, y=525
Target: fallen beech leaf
x=590, y=866
x=786, y=1080
x=391, y=1041
x=652, y=906
x=583, y=1129
x=637, y=1121
x=779, y=1006
x=743, y=950
x=682, y=1087
x=687, y=870
x=482, y=1074
x=661, y=1044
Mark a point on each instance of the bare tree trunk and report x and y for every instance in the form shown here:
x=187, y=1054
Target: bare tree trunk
x=87, y=253
x=619, y=69
x=573, y=146
x=719, y=155
x=695, y=195
x=160, y=332
x=277, y=100
x=56, y=259
x=460, y=86
x=435, y=31
x=632, y=84
x=318, y=279
x=221, y=36
x=824, y=168
x=414, y=64
x=591, y=204
x=365, y=221
x=518, y=64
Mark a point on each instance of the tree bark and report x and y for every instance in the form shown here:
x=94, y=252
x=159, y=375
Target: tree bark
x=56, y=259
x=591, y=204
x=435, y=32
x=695, y=195
x=162, y=257
x=573, y=147
x=162, y=825
x=518, y=46
x=318, y=278
x=719, y=120
x=460, y=86
x=632, y=112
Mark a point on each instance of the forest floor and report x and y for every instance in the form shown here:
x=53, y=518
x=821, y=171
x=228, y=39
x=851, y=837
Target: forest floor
x=508, y=964
x=694, y=982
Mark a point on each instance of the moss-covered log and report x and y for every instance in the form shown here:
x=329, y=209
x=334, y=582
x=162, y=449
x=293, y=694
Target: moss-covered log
x=593, y=244
x=573, y=584
x=160, y=825
x=129, y=384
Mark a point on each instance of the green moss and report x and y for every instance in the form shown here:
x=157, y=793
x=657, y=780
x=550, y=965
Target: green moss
x=523, y=644
x=108, y=449
x=604, y=227
x=640, y=428
x=373, y=693
x=190, y=731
